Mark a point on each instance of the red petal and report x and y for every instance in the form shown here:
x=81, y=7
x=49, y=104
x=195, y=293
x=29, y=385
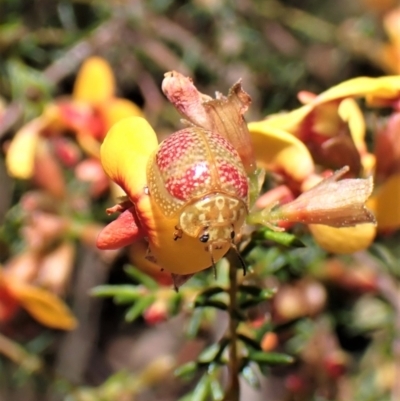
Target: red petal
x=121, y=232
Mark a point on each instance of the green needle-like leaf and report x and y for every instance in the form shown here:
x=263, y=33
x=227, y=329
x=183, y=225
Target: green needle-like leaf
x=280, y=237
x=141, y=277
x=202, y=390
x=138, y=308
x=186, y=371
x=270, y=358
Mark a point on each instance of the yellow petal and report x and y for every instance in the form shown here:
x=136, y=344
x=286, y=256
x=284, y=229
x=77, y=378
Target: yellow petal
x=385, y=204
x=116, y=192
x=95, y=82
x=343, y=240
x=350, y=113
x=44, y=306
x=116, y=109
x=374, y=89
x=368, y=161
x=20, y=158
x=288, y=121
x=384, y=87
x=88, y=143
x=125, y=152
x=278, y=149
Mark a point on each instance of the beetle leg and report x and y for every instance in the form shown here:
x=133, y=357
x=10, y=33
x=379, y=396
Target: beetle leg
x=149, y=256
x=180, y=279
x=241, y=260
x=210, y=249
x=177, y=233
x=214, y=268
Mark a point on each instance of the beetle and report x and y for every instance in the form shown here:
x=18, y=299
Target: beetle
x=197, y=178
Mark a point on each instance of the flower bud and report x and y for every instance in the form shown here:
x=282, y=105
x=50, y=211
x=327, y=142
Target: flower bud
x=331, y=202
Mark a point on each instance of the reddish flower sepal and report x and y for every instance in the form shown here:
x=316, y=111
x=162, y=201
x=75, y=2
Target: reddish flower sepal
x=121, y=232
x=8, y=303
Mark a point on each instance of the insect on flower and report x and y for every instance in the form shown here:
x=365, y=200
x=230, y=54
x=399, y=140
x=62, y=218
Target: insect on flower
x=196, y=176
x=190, y=195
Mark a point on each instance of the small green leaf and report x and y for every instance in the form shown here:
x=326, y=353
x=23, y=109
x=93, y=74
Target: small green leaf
x=195, y=322
x=250, y=376
x=280, y=237
x=268, y=293
x=139, y=307
x=213, y=352
x=174, y=304
x=187, y=397
x=217, y=393
x=209, y=354
x=141, y=277
x=202, y=390
x=186, y=371
x=270, y=358
x=121, y=293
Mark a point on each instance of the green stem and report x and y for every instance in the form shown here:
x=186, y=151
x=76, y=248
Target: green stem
x=233, y=392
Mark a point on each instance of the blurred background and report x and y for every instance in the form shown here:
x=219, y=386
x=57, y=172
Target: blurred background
x=339, y=316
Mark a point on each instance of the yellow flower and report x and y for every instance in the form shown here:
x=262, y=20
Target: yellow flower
x=125, y=153
x=90, y=112
x=45, y=307
x=329, y=130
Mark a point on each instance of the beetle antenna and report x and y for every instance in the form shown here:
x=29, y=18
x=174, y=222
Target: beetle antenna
x=212, y=262
x=242, y=262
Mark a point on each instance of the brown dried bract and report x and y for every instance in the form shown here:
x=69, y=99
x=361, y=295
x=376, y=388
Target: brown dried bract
x=331, y=202
x=224, y=115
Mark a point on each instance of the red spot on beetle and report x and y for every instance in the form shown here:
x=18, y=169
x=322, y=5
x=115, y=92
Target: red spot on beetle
x=191, y=183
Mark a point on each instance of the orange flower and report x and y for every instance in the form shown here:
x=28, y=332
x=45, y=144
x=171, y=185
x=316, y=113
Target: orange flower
x=125, y=153
x=44, y=306
x=329, y=130
x=89, y=113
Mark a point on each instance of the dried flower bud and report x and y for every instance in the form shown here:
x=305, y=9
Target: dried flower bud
x=182, y=93
x=331, y=202
x=223, y=114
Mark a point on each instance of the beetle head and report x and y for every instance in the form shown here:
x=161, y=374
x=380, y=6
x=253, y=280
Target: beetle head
x=214, y=220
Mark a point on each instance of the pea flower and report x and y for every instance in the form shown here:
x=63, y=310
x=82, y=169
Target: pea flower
x=328, y=131
x=16, y=292
x=130, y=153
x=89, y=113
